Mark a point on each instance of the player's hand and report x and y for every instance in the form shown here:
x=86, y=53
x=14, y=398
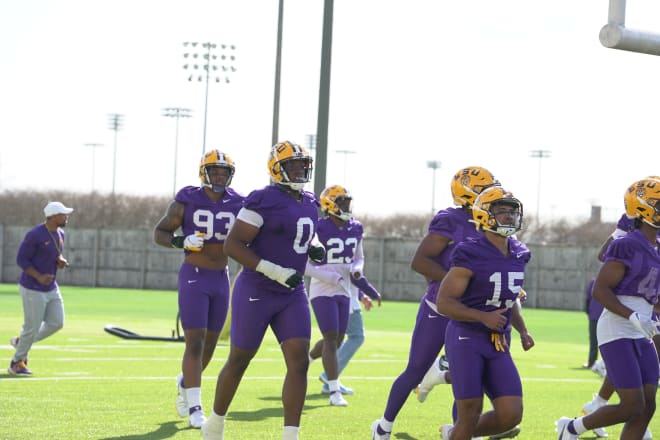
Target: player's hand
x=283, y=275
x=495, y=320
x=367, y=303
x=646, y=326
x=61, y=262
x=316, y=252
x=526, y=341
x=194, y=242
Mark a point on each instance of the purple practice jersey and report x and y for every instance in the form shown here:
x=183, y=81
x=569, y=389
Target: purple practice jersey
x=288, y=228
x=496, y=278
x=201, y=214
x=40, y=249
x=453, y=223
x=642, y=261
x=340, y=243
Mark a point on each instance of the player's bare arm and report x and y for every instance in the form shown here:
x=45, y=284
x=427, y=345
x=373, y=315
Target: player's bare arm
x=237, y=241
x=170, y=222
x=423, y=261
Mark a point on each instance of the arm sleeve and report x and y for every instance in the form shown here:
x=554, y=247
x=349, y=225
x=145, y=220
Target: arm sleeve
x=323, y=273
x=358, y=262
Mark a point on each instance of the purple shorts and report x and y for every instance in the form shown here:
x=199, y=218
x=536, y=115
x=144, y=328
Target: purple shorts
x=476, y=367
x=331, y=313
x=254, y=309
x=203, y=298
x=631, y=363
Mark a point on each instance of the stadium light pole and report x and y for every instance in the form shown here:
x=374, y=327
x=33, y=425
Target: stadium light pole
x=116, y=123
x=434, y=165
x=176, y=112
x=540, y=154
x=203, y=62
x=94, y=146
x=345, y=153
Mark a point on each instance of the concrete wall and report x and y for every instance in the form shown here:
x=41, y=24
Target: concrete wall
x=556, y=277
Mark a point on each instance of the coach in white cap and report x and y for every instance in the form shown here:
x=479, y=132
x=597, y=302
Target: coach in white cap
x=40, y=256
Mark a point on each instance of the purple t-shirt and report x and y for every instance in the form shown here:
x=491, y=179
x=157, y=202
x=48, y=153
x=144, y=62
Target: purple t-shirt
x=288, y=228
x=340, y=243
x=213, y=218
x=642, y=261
x=40, y=249
x=493, y=273
x=453, y=223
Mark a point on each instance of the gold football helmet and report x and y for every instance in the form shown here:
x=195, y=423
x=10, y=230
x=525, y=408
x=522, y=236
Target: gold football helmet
x=282, y=156
x=486, y=209
x=215, y=158
x=336, y=201
x=642, y=201
x=468, y=183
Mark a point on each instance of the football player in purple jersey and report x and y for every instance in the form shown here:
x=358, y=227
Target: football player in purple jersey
x=271, y=239
x=448, y=228
x=40, y=256
x=627, y=286
x=478, y=295
x=625, y=225
x=205, y=215
x=330, y=291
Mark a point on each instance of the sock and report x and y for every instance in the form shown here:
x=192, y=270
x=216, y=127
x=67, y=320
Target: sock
x=311, y=359
x=194, y=397
x=290, y=433
x=179, y=380
x=385, y=425
x=578, y=426
x=333, y=385
x=443, y=377
x=599, y=400
x=215, y=418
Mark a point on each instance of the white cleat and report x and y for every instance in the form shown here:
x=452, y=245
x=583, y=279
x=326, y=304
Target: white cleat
x=432, y=378
x=374, y=432
x=336, y=399
x=213, y=430
x=561, y=426
x=181, y=400
x=589, y=408
x=197, y=419
x=511, y=433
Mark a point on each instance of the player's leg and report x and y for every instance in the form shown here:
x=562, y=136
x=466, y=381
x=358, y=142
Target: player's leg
x=53, y=316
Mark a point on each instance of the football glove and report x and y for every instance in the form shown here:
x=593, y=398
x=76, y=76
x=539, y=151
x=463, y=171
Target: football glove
x=646, y=326
x=316, y=252
x=499, y=341
x=194, y=242
x=283, y=275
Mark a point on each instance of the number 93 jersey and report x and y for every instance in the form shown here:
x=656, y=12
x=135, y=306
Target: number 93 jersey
x=202, y=214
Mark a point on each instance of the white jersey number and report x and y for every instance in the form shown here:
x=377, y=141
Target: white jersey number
x=205, y=220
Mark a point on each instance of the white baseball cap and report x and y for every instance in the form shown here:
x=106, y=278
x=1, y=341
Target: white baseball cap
x=55, y=208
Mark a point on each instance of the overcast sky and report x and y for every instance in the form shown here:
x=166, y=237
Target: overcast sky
x=462, y=82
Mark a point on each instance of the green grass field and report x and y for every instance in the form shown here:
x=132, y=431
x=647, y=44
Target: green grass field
x=92, y=385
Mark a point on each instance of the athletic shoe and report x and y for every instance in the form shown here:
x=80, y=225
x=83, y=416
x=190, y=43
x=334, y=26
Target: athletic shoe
x=18, y=368
x=443, y=363
x=336, y=399
x=326, y=390
x=589, y=408
x=377, y=432
x=647, y=435
x=181, y=399
x=445, y=432
x=196, y=419
x=561, y=426
x=599, y=368
x=511, y=433
x=213, y=430
x=14, y=341
x=431, y=379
